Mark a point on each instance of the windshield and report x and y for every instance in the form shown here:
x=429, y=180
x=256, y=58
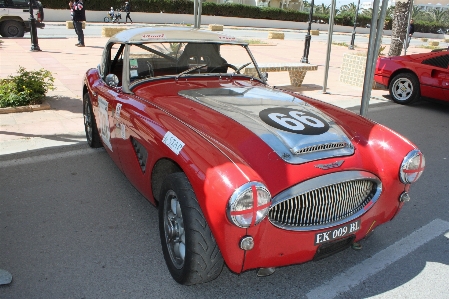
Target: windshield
x=166, y=59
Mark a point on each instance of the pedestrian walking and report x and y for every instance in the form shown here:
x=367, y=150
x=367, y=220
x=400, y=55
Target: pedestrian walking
x=410, y=31
x=128, y=11
x=79, y=15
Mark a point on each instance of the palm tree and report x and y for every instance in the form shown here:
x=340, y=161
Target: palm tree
x=324, y=9
x=417, y=12
x=438, y=14
x=399, y=28
x=348, y=8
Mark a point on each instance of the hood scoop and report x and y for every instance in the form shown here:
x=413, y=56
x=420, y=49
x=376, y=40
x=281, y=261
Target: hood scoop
x=297, y=131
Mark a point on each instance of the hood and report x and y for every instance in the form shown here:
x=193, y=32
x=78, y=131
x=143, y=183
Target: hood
x=294, y=129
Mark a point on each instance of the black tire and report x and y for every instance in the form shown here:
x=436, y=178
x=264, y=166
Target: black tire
x=90, y=125
x=201, y=260
x=404, y=88
x=106, y=19
x=12, y=28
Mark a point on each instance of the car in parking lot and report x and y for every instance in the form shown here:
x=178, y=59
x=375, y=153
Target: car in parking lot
x=243, y=174
x=15, y=14
x=411, y=77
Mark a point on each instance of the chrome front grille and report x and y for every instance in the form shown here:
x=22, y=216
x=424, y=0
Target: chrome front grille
x=325, y=206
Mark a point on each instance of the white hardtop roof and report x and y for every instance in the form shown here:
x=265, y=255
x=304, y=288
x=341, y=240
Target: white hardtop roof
x=172, y=34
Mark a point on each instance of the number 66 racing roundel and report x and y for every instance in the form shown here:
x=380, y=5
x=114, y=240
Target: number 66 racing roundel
x=294, y=121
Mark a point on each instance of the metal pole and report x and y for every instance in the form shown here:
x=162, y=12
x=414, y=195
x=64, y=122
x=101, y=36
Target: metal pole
x=329, y=43
x=410, y=11
x=305, y=57
x=200, y=8
x=33, y=32
x=375, y=40
x=195, y=17
x=351, y=46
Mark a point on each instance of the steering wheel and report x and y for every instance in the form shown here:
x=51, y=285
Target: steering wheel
x=237, y=71
x=150, y=70
x=224, y=65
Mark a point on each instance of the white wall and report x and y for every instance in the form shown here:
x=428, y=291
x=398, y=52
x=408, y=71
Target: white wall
x=62, y=15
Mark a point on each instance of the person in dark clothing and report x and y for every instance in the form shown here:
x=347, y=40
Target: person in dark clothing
x=79, y=15
x=128, y=11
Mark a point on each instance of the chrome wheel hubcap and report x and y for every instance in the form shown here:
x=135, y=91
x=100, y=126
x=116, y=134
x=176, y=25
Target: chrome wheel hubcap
x=174, y=229
x=402, y=89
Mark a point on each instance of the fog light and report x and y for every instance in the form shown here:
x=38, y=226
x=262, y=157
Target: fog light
x=247, y=243
x=404, y=197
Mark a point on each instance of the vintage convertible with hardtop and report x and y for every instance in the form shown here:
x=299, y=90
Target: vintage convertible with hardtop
x=243, y=174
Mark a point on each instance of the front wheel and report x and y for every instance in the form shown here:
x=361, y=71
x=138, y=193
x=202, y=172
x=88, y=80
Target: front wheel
x=404, y=88
x=90, y=126
x=106, y=19
x=190, y=251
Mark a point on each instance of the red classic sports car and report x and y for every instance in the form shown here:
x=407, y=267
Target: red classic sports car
x=413, y=76
x=242, y=173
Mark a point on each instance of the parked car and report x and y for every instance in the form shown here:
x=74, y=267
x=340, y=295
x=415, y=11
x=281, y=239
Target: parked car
x=243, y=174
x=15, y=14
x=411, y=77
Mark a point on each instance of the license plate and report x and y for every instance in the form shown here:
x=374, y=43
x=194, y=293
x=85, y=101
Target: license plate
x=337, y=233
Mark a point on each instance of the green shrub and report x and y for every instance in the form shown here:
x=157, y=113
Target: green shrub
x=26, y=88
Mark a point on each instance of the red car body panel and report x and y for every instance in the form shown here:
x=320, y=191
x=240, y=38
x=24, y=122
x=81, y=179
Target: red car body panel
x=213, y=155
x=433, y=79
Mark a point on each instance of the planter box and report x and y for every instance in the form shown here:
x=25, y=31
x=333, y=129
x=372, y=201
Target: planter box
x=69, y=25
x=215, y=27
x=275, y=35
x=353, y=70
x=110, y=31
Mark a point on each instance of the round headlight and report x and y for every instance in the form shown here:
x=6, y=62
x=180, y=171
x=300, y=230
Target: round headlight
x=412, y=167
x=249, y=204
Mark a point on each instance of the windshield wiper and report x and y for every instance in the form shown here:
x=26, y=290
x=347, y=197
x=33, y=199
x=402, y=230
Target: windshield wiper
x=190, y=70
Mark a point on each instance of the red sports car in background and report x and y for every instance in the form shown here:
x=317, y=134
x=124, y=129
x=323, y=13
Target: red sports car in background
x=242, y=173
x=410, y=77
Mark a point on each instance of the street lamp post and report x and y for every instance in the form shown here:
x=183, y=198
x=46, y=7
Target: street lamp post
x=305, y=56
x=33, y=32
x=351, y=46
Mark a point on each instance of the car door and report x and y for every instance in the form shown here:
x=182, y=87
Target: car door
x=434, y=76
x=106, y=97
x=446, y=85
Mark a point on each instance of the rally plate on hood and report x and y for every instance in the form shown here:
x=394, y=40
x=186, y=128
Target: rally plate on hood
x=297, y=131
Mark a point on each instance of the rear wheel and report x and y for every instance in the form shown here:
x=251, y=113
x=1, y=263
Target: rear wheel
x=12, y=28
x=90, y=126
x=190, y=251
x=404, y=88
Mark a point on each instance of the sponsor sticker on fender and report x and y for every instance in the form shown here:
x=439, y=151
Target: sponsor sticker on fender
x=294, y=121
x=173, y=142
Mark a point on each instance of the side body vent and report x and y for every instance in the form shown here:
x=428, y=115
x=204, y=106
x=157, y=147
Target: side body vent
x=439, y=61
x=141, y=153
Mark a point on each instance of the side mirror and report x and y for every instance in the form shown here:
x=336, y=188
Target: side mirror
x=112, y=80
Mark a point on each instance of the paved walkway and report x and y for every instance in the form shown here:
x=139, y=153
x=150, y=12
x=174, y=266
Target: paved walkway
x=63, y=123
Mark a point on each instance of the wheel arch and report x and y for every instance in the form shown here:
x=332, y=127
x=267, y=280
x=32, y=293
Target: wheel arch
x=161, y=169
x=399, y=71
